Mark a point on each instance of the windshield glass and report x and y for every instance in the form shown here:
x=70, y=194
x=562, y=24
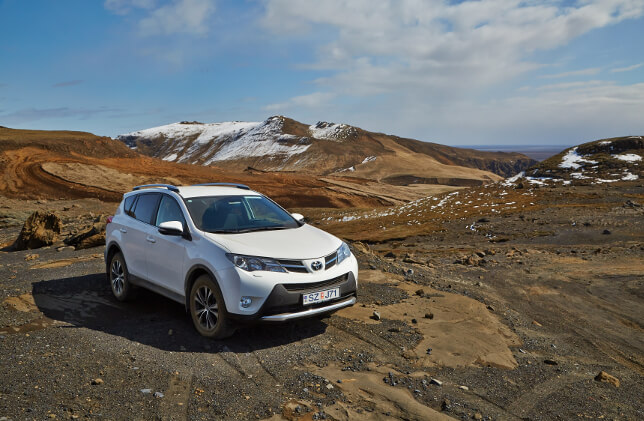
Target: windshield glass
x=233, y=214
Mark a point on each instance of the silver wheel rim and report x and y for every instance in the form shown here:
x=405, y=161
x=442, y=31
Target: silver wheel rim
x=118, y=277
x=206, y=308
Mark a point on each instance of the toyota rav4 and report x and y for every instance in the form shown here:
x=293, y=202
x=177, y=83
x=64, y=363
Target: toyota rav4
x=229, y=254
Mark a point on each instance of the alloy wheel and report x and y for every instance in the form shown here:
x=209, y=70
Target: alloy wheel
x=206, y=308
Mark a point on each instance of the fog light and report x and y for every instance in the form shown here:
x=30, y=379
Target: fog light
x=246, y=302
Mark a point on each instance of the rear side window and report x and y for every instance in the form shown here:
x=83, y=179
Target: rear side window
x=169, y=210
x=127, y=206
x=146, y=207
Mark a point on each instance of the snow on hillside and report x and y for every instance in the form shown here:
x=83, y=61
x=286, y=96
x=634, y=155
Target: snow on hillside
x=191, y=142
x=324, y=130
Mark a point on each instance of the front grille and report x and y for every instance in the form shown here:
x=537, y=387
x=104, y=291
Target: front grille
x=316, y=285
x=293, y=266
x=330, y=260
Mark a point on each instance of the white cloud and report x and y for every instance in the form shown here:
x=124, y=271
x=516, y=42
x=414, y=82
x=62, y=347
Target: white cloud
x=123, y=7
x=583, y=72
x=627, y=69
x=314, y=100
x=179, y=17
x=443, y=70
x=390, y=45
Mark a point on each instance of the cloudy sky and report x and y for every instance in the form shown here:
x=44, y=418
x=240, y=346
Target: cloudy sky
x=453, y=72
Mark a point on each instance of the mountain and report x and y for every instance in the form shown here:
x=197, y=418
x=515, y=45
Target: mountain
x=41, y=164
x=283, y=144
x=600, y=161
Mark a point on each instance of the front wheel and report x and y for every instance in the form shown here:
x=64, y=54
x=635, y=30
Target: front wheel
x=119, y=278
x=208, y=310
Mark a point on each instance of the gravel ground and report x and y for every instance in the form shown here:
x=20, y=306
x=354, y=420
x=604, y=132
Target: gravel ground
x=564, y=300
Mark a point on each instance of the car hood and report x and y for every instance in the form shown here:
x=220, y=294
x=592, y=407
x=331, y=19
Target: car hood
x=305, y=242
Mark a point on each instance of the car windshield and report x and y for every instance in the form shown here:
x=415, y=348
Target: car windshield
x=235, y=214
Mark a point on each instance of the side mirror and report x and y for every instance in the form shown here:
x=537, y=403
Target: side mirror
x=298, y=217
x=171, y=228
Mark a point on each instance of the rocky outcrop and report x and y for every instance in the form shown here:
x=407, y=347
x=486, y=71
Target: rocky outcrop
x=94, y=236
x=40, y=229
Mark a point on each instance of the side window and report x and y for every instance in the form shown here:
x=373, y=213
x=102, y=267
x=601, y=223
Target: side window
x=169, y=210
x=127, y=206
x=145, y=207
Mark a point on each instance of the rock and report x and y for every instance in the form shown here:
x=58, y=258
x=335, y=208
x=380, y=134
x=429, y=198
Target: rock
x=464, y=388
x=146, y=391
x=429, y=352
x=93, y=237
x=329, y=386
x=446, y=405
x=375, y=315
x=394, y=330
x=483, y=220
x=536, y=323
x=31, y=257
x=63, y=248
x=158, y=395
x=429, y=316
x=390, y=255
x=606, y=232
x=409, y=272
x=478, y=416
x=40, y=229
x=489, y=307
x=550, y=362
x=436, y=382
x=97, y=381
x=339, y=381
x=414, y=321
x=420, y=292
x=480, y=253
x=604, y=377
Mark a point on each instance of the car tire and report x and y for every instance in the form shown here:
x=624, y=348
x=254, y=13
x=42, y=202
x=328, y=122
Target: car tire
x=208, y=310
x=119, y=278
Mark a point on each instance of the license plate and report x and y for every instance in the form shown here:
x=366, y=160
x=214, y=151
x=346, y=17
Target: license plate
x=320, y=296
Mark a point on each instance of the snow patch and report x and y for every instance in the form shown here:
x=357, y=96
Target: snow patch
x=628, y=157
x=573, y=160
x=368, y=159
x=171, y=157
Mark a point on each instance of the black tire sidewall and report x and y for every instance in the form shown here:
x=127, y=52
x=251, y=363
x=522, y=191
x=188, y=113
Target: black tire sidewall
x=222, y=328
x=128, y=288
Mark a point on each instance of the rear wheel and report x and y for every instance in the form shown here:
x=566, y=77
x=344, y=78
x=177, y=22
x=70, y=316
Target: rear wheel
x=208, y=310
x=119, y=278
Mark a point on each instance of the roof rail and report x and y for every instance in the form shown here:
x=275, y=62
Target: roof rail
x=149, y=186
x=239, y=186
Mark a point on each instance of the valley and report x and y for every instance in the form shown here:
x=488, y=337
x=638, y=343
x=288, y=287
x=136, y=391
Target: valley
x=517, y=298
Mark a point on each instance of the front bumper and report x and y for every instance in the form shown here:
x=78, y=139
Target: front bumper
x=285, y=300
x=310, y=312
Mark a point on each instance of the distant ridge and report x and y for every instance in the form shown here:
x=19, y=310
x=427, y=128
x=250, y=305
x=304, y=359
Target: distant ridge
x=283, y=144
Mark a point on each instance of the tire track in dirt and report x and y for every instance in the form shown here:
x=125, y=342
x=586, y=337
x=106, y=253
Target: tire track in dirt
x=174, y=405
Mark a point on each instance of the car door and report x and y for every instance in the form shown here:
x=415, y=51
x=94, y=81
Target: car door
x=137, y=232
x=166, y=253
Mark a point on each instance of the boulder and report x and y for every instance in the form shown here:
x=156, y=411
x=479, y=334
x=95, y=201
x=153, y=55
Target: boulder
x=40, y=229
x=94, y=236
x=604, y=377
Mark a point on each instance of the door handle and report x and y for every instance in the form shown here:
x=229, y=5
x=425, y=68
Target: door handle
x=151, y=239
x=123, y=230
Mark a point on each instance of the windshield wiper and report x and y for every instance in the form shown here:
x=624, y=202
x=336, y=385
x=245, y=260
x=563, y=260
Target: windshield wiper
x=222, y=231
x=263, y=229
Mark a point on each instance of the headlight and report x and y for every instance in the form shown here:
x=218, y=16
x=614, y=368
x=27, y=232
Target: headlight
x=343, y=252
x=251, y=263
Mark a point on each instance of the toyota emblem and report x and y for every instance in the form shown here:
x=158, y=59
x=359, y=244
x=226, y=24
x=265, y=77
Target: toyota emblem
x=317, y=265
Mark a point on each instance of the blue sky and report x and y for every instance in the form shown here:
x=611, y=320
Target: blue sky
x=469, y=72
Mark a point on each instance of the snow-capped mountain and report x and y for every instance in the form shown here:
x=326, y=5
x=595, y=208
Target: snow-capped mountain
x=282, y=144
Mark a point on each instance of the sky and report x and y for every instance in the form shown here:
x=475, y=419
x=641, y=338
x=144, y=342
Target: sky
x=501, y=72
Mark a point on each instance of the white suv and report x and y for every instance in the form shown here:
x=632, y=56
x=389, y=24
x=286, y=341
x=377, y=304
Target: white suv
x=229, y=254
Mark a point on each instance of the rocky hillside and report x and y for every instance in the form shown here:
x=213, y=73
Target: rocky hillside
x=600, y=161
x=283, y=144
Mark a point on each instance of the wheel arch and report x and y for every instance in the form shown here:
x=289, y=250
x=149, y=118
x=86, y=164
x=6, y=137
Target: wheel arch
x=112, y=249
x=195, y=272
